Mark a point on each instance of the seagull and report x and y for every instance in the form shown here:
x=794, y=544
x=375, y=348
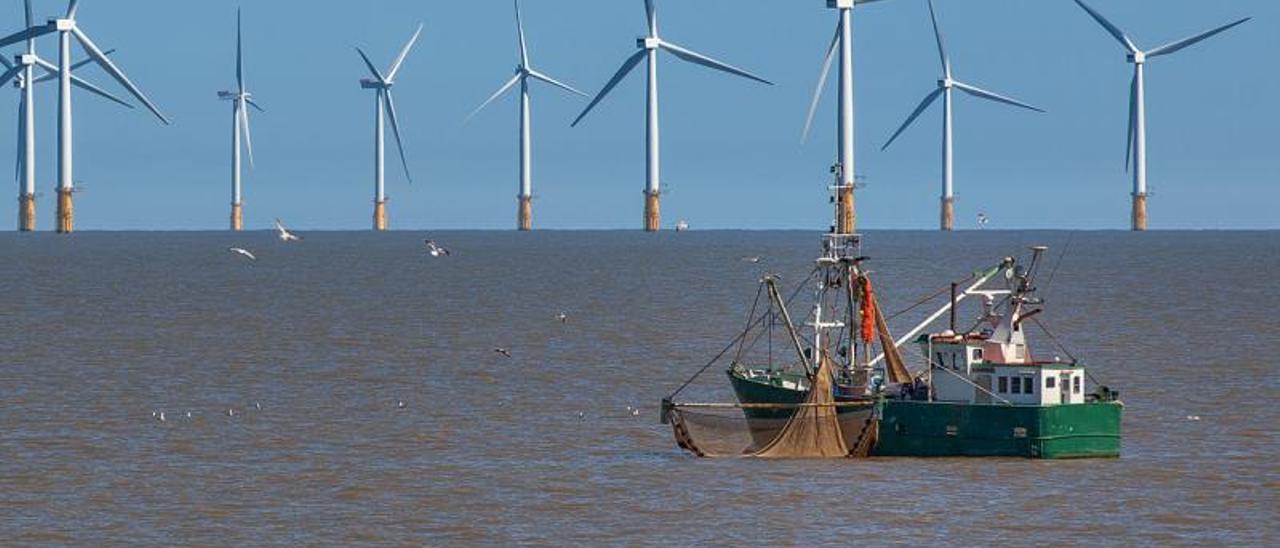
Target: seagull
x=285, y=234
x=983, y=220
x=1189, y=417
x=564, y=318
x=160, y=417
x=400, y=404
x=752, y=259
x=242, y=251
x=188, y=414
x=257, y=406
x=231, y=412
x=435, y=250
x=503, y=351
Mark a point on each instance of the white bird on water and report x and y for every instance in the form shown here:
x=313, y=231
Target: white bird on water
x=244, y=252
x=564, y=318
x=285, y=235
x=752, y=259
x=435, y=250
x=503, y=351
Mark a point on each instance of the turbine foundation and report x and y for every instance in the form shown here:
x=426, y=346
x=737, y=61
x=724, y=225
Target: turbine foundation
x=66, y=213
x=237, y=217
x=27, y=213
x=1139, y=212
x=847, y=219
x=948, y=213
x=524, y=218
x=652, y=212
x=380, y=216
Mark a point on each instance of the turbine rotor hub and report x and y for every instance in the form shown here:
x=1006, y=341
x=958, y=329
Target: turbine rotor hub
x=648, y=42
x=1137, y=58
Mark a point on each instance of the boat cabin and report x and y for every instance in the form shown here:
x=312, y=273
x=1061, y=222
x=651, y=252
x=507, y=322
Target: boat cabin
x=973, y=369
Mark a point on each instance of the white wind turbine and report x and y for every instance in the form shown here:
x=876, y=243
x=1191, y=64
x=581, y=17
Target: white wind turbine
x=1136, y=148
x=66, y=28
x=385, y=106
x=844, y=167
x=524, y=215
x=945, y=85
x=241, y=100
x=649, y=46
x=22, y=72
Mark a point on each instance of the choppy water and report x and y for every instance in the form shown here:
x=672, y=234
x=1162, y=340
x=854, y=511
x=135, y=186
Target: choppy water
x=103, y=329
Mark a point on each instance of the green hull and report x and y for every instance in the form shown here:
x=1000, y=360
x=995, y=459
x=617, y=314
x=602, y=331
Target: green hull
x=938, y=429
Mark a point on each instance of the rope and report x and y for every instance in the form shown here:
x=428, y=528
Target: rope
x=1062, y=256
x=742, y=347
x=735, y=340
x=1053, y=338
x=925, y=300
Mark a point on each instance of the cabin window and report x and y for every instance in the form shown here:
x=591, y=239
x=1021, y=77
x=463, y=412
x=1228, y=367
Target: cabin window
x=1004, y=385
x=1028, y=385
x=977, y=354
x=1075, y=384
x=1015, y=385
x=1049, y=382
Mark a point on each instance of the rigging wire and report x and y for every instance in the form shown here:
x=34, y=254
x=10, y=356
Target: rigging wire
x=738, y=338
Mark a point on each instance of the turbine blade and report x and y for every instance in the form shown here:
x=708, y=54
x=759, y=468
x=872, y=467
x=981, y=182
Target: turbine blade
x=239, y=54
x=697, y=58
x=937, y=33
x=540, y=76
x=494, y=97
x=9, y=75
x=979, y=92
x=115, y=72
x=82, y=84
x=243, y=114
x=7, y=63
x=1175, y=46
x=372, y=70
x=1131, y=143
x=928, y=100
x=395, y=129
x=404, y=52
x=254, y=104
x=30, y=33
x=31, y=42
x=627, y=65
x=51, y=70
x=822, y=83
x=524, y=50
x=651, y=17
x=71, y=9
x=1119, y=35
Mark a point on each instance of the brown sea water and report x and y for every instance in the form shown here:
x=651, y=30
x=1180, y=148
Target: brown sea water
x=100, y=330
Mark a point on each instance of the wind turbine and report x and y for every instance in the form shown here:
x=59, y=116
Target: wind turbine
x=649, y=46
x=241, y=100
x=385, y=106
x=524, y=214
x=945, y=85
x=846, y=220
x=22, y=71
x=66, y=28
x=1136, y=148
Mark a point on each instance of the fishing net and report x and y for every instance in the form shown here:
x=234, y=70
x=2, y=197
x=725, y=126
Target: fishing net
x=816, y=428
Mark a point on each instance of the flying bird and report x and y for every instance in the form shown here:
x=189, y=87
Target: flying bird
x=564, y=318
x=244, y=252
x=285, y=234
x=436, y=250
x=503, y=351
x=983, y=220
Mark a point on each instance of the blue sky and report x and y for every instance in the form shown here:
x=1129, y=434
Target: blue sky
x=732, y=154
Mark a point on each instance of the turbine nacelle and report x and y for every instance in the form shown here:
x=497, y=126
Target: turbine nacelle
x=1137, y=57
x=946, y=83
x=62, y=25
x=370, y=83
x=840, y=4
x=26, y=59
x=648, y=42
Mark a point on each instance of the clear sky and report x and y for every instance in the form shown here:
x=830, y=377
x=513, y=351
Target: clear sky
x=732, y=151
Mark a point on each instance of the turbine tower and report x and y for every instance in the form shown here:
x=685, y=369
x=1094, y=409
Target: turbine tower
x=241, y=100
x=66, y=28
x=524, y=214
x=649, y=46
x=1136, y=148
x=385, y=106
x=846, y=220
x=22, y=72
x=945, y=85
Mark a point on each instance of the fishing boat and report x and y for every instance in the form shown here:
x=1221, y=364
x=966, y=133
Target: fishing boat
x=982, y=392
